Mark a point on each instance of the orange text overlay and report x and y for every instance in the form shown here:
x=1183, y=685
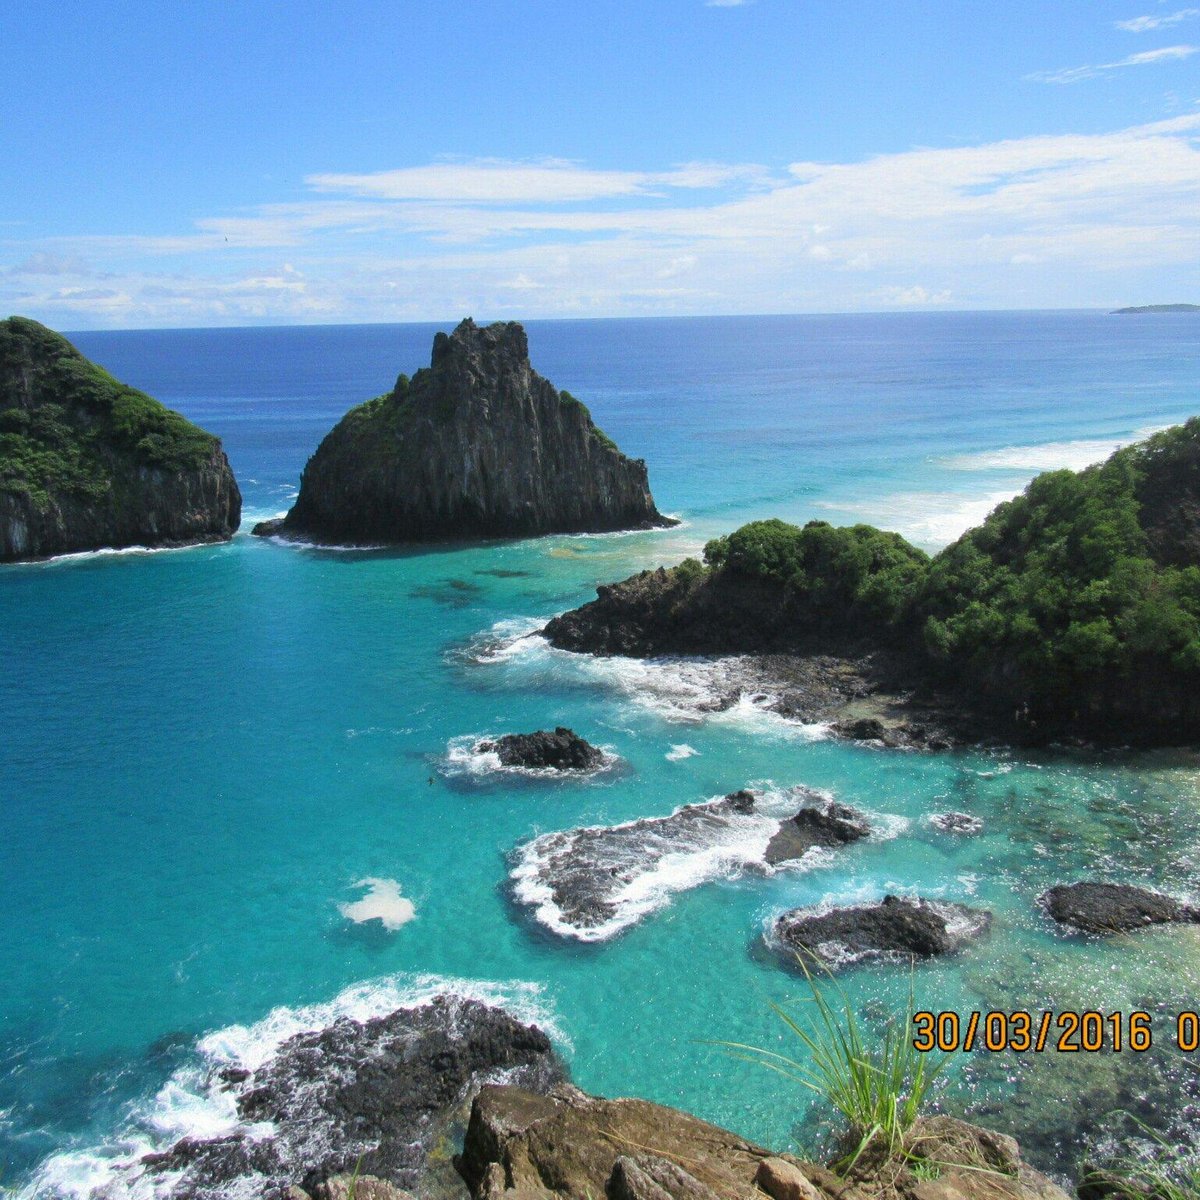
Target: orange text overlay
x=1066, y=1032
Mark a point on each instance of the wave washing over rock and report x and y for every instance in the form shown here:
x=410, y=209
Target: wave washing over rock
x=896, y=929
x=300, y=1095
x=474, y=758
x=741, y=689
x=593, y=882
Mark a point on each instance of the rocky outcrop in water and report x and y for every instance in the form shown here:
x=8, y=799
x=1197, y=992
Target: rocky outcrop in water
x=895, y=928
x=1113, y=907
x=477, y=445
x=824, y=823
x=373, y=1097
x=88, y=463
x=592, y=882
x=567, y=1144
x=560, y=750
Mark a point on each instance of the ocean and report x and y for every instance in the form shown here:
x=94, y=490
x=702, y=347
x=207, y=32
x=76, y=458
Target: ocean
x=239, y=793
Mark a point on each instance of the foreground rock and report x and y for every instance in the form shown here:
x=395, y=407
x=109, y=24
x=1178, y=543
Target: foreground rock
x=1113, y=907
x=560, y=750
x=825, y=823
x=353, y=1187
x=570, y=1144
x=375, y=1097
x=475, y=445
x=521, y=1146
x=87, y=463
x=895, y=928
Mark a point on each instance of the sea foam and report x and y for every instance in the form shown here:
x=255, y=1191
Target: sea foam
x=1047, y=456
x=382, y=903
x=726, y=690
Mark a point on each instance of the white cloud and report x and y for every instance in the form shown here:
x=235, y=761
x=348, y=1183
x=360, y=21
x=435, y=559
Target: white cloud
x=1027, y=222
x=914, y=296
x=1145, y=24
x=725, y=3
x=1143, y=59
x=550, y=181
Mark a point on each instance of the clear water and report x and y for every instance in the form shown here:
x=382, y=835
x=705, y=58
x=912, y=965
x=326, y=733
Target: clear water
x=205, y=750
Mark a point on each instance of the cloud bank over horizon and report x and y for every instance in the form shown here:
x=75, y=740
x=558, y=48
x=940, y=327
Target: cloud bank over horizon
x=1071, y=220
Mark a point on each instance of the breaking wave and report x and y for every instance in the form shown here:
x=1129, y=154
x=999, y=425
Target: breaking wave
x=196, y=1101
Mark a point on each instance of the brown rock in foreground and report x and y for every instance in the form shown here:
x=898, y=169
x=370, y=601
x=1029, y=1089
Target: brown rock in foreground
x=521, y=1146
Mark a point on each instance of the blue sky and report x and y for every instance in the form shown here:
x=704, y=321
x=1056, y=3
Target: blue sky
x=258, y=163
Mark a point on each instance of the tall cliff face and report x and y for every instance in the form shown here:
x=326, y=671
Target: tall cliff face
x=476, y=445
x=86, y=462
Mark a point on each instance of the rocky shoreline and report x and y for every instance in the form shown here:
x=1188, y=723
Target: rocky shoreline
x=457, y=1099
x=1069, y=614
x=862, y=693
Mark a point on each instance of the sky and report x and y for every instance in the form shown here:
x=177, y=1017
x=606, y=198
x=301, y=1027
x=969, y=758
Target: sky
x=249, y=163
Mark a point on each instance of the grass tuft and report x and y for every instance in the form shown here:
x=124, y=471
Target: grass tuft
x=879, y=1085
x=1161, y=1171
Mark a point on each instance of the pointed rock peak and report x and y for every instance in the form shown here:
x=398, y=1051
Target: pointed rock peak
x=506, y=338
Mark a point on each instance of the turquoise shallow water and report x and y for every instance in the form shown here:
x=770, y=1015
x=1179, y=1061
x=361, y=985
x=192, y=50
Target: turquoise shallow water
x=206, y=750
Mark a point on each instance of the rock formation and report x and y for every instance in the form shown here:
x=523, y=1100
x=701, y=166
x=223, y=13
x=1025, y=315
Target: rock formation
x=957, y=822
x=1113, y=907
x=373, y=1097
x=826, y=823
x=987, y=639
x=566, y=1144
x=894, y=928
x=560, y=750
x=427, y=1099
x=477, y=445
x=86, y=462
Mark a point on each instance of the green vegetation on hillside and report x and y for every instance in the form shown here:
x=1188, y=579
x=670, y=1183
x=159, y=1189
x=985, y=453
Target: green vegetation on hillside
x=62, y=419
x=1058, y=592
x=574, y=404
x=860, y=573
x=1081, y=591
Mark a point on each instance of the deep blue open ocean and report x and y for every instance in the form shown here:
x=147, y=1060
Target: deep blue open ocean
x=210, y=755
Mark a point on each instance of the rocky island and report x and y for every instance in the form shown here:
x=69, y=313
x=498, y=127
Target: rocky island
x=476, y=445
x=88, y=463
x=1073, y=611
x=1156, y=308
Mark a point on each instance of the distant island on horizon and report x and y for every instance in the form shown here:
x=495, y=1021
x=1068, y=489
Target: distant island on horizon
x=1158, y=308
